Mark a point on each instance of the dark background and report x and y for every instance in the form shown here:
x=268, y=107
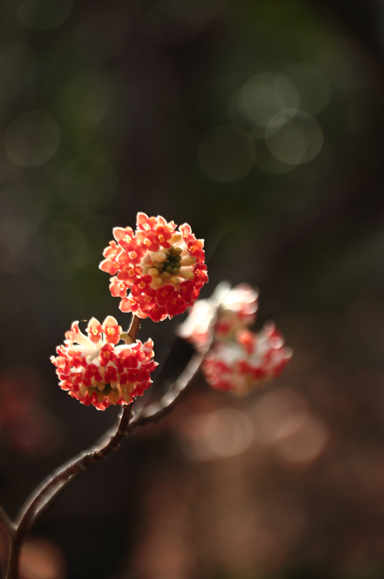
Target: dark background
x=260, y=123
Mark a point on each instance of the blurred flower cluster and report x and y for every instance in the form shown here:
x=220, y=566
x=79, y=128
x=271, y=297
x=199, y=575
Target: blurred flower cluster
x=238, y=359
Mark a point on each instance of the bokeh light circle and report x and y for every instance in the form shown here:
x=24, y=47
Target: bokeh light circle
x=221, y=433
x=265, y=95
x=32, y=139
x=294, y=141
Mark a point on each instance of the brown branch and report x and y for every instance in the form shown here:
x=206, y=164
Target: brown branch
x=71, y=469
x=55, y=483
x=154, y=412
x=58, y=481
x=134, y=328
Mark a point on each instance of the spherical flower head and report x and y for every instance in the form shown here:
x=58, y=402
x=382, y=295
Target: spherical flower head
x=97, y=371
x=158, y=270
x=248, y=362
x=226, y=311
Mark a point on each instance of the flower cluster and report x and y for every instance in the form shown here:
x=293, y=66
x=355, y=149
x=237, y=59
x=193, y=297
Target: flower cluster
x=225, y=312
x=95, y=370
x=162, y=268
x=248, y=361
x=158, y=271
x=238, y=359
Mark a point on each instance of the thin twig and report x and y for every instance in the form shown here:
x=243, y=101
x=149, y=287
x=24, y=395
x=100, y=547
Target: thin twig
x=154, y=412
x=158, y=410
x=134, y=328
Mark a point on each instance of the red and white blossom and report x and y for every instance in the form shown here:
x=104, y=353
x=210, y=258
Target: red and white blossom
x=95, y=370
x=235, y=309
x=247, y=362
x=157, y=271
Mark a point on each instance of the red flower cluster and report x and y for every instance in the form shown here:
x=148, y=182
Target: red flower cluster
x=163, y=269
x=96, y=371
x=247, y=362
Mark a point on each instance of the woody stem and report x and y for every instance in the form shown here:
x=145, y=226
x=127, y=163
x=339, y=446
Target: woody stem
x=60, y=479
x=55, y=483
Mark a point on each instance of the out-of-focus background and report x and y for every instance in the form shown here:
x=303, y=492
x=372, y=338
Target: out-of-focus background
x=261, y=123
